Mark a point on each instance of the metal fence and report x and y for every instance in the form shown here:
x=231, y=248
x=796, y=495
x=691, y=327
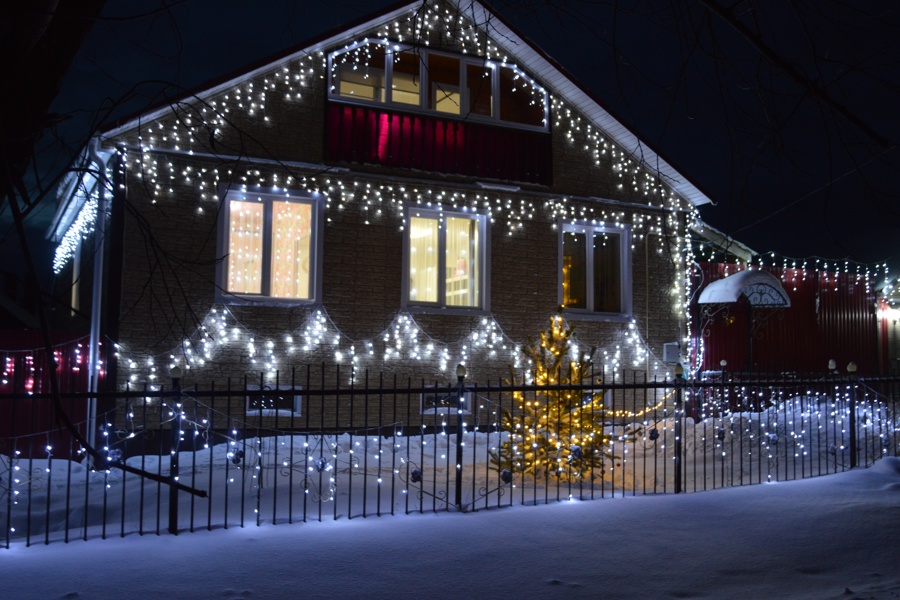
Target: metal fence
x=181, y=459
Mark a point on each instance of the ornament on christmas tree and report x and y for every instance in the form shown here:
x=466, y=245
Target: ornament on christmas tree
x=575, y=453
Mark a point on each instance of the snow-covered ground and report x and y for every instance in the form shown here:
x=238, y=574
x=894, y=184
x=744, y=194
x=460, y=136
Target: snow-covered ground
x=826, y=537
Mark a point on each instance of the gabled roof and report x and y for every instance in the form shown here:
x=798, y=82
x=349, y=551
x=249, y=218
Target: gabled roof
x=522, y=51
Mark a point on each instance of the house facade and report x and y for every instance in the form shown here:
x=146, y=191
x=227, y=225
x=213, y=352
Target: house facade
x=419, y=190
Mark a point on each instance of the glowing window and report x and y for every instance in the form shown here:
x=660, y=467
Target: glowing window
x=359, y=73
x=445, y=259
x=595, y=274
x=270, y=245
x=443, y=81
x=424, y=80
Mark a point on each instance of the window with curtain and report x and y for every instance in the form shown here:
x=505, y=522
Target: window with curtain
x=595, y=269
x=429, y=81
x=270, y=243
x=445, y=259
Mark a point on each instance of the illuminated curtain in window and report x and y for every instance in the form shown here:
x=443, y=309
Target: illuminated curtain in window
x=245, y=247
x=423, y=259
x=289, y=268
x=462, y=277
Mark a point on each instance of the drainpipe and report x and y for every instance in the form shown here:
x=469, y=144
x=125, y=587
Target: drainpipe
x=96, y=294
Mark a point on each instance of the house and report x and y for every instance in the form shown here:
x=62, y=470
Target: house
x=417, y=190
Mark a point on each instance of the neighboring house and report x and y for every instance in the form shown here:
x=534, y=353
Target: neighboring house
x=784, y=317
x=418, y=190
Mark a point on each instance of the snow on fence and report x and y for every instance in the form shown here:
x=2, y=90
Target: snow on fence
x=283, y=454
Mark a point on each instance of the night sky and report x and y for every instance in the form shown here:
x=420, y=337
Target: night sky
x=788, y=171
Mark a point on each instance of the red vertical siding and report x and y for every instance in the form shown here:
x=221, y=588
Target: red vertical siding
x=370, y=135
x=832, y=316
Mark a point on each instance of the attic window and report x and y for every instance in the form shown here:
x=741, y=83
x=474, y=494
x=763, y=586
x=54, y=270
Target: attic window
x=375, y=72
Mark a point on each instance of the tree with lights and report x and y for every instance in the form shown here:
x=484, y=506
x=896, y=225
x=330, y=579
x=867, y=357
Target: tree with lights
x=559, y=432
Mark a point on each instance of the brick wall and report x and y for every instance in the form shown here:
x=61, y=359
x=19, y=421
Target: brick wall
x=170, y=251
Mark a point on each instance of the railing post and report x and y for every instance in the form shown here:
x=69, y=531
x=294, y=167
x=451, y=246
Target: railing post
x=851, y=372
x=175, y=426
x=679, y=419
x=460, y=404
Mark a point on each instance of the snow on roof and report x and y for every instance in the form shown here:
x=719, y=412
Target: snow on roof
x=760, y=287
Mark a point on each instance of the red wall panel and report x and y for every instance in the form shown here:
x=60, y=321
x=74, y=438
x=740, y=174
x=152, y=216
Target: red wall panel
x=372, y=135
x=832, y=316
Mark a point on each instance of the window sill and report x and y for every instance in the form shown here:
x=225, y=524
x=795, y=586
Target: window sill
x=583, y=315
x=263, y=301
x=456, y=311
x=272, y=412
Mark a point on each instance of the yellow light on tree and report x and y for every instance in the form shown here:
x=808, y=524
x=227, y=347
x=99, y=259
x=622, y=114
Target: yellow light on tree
x=558, y=433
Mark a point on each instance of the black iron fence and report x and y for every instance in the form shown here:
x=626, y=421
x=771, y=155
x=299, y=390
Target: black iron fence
x=269, y=451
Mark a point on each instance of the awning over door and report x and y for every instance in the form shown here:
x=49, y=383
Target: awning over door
x=761, y=289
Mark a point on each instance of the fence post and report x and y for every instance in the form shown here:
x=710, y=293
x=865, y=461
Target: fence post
x=851, y=372
x=679, y=418
x=460, y=390
x=175, y=426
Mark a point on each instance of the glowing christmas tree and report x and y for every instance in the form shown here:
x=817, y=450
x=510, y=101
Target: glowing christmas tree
x=557, y=433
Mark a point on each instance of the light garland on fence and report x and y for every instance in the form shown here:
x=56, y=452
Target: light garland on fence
x=32, y=379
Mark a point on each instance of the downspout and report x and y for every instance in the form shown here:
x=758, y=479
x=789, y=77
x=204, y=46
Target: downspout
x=96, y=295
x=647, y=302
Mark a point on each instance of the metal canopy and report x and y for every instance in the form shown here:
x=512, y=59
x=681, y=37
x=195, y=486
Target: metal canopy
x=761, y=289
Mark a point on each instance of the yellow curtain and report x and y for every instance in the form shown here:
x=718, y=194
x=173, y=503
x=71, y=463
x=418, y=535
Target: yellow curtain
x=291, y=240
x=245, y=249
x=423, y=259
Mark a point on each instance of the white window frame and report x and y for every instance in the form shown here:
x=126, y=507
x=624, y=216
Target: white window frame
x=316, y=244
x=464, y=62
x=441, y=305
x=623, y=232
